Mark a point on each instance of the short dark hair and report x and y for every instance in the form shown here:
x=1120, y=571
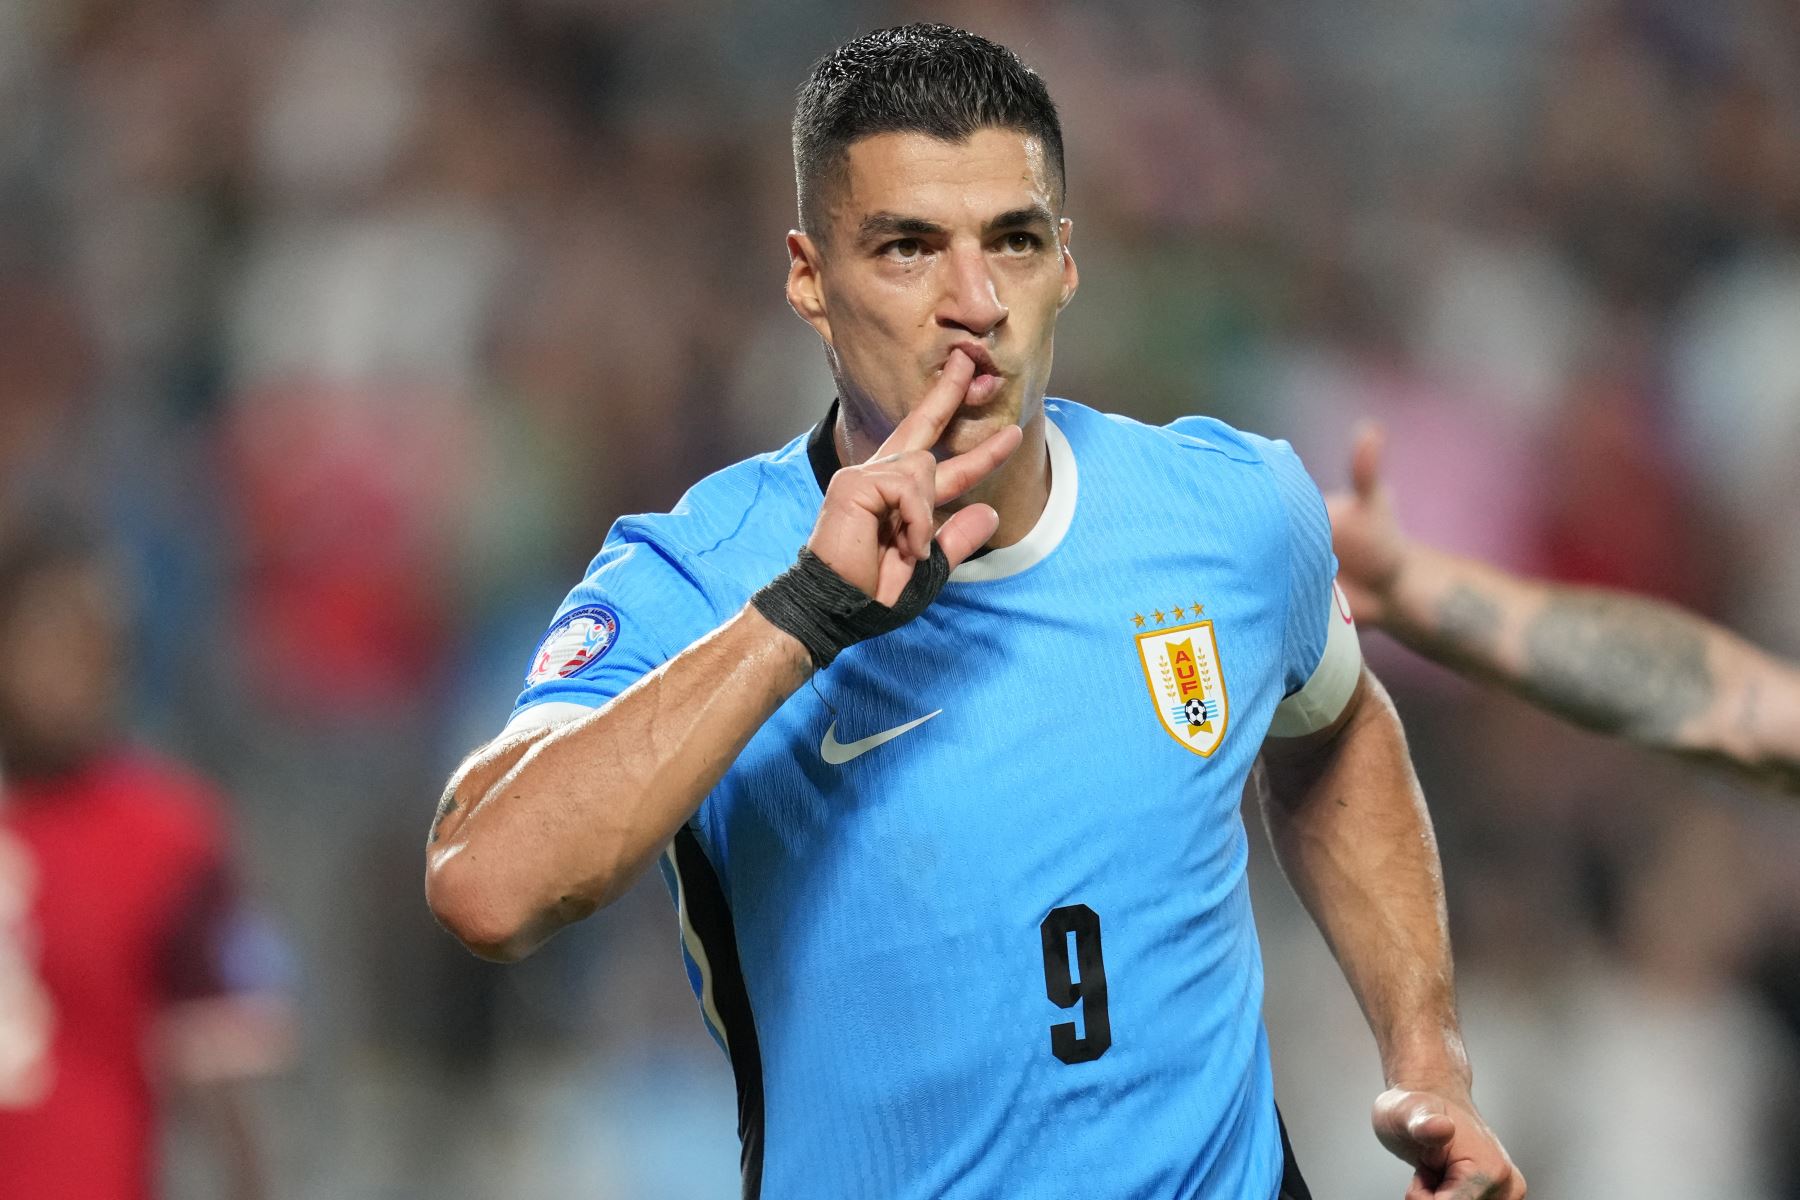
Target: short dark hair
x=920, y=78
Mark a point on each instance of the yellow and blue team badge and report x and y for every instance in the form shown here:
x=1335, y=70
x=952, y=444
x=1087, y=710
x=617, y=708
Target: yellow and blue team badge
x=1181, y=666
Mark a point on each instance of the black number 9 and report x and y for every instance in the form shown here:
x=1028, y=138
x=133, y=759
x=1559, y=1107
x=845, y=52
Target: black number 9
x=1090, y=988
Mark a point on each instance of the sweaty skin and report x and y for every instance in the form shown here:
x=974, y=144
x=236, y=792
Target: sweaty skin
x=1349, y=826
x=540, y=830
x=1608, y=661
x=930, y=246
x=935, y=285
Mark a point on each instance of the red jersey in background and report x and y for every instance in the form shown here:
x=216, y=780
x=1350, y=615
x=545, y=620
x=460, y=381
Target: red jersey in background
x=117, y=924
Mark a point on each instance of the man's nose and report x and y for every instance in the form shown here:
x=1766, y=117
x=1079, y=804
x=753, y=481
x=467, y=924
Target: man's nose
x=970, y=301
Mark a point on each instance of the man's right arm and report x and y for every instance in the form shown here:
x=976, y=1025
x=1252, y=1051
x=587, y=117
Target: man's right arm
x=1614, y=663
x=537, y=830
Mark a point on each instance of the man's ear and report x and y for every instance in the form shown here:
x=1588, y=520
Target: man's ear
x=805, y=284
x=1071, y=278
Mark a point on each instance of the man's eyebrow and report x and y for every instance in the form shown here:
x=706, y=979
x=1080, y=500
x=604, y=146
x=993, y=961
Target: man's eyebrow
x=887, y=224
x=1022, y=218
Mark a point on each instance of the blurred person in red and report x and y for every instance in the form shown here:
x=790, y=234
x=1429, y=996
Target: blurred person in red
x=1607, y=660
x=126, y=961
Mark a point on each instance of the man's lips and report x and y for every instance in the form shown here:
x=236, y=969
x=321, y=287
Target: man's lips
x=978, y=354
x=988, y=378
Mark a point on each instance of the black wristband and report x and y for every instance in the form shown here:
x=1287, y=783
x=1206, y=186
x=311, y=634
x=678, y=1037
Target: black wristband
x=827, y=613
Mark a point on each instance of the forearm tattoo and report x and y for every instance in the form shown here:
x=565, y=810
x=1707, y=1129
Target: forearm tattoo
x=1618, y=665
x=446, y=806
x=1468, y=626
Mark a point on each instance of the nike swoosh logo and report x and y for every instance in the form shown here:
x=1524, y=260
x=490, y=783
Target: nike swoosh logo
x=838, y=753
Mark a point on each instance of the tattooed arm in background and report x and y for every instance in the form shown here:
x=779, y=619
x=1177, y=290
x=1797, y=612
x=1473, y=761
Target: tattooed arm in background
x=1610, y=662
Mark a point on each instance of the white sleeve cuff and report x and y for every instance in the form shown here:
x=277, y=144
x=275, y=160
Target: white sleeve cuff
x=1333, y=681
x=547, y=714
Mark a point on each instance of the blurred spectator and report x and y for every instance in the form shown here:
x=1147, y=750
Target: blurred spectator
x=360, y=323
x=127, y=960
x=1668, y=1062
x=45, y=371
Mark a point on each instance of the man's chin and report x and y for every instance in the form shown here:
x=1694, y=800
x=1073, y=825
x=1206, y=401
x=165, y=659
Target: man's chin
x=963, y=434
x=971, y=427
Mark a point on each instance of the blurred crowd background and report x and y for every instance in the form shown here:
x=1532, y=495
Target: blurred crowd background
x=356, y=323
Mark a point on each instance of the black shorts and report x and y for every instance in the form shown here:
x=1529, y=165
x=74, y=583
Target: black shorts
x=1292, y=1186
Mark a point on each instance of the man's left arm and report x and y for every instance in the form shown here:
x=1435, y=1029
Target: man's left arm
x=1349, y=826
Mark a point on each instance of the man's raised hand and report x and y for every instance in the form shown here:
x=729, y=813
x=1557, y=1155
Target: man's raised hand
x=1365, y=533
x=878, y=519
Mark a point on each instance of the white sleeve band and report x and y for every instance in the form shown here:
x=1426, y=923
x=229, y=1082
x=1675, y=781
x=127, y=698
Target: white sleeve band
x=1323, y=698
x=546, y=715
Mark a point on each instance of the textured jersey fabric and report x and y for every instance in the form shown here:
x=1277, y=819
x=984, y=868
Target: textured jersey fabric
x=1009, y=951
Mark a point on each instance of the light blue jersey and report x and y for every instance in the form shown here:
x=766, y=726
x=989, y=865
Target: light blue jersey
x=969, y=913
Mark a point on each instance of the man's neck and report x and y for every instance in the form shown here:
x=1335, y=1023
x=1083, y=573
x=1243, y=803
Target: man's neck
x=1018, y=490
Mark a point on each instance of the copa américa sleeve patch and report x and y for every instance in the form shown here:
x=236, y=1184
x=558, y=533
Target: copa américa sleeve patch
x=579, y=639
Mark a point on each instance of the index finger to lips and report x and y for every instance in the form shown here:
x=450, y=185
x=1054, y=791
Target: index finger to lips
x=925, y=424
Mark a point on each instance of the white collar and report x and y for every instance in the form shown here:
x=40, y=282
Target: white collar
x=1052, y=523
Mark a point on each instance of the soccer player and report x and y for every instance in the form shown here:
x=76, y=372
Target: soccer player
x=1610, y=662
x=125, y=964
x=954, y=836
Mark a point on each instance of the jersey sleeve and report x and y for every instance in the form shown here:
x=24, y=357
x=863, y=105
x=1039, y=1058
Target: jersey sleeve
x=1321, y=658
x=635, y=610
